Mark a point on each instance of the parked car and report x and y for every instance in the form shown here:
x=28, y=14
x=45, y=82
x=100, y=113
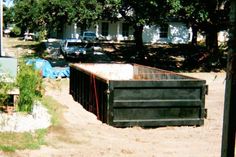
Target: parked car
x=29, y=36
x=73, y=48
x=89, y=36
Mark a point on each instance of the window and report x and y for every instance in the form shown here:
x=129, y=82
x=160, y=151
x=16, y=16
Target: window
x=125, y=29
x=164, y=31
x=105, y=28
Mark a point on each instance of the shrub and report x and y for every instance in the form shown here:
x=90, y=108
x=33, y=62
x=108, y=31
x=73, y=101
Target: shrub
x=5, y=86
x=42, y=35
x=30, y=85
x=16, y=31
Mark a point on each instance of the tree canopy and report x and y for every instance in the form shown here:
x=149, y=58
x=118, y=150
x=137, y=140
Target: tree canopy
x=208, y=16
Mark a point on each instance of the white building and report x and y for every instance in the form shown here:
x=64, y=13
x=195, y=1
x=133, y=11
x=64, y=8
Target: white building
x=172, y=32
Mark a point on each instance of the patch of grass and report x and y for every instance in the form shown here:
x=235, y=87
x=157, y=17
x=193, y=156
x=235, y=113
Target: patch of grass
x=55, y=110
x=12, y=141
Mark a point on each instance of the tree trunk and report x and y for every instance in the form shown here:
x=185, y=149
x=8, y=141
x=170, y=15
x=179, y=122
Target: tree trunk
x=229, y=125
x=138, y=31
x=212, y=43
x=194, y=37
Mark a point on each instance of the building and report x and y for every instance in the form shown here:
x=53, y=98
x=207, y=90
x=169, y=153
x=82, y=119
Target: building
x=172, y=32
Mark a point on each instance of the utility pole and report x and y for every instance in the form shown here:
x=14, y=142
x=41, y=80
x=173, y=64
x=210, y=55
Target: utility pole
x=1, y=28
x=229, y=124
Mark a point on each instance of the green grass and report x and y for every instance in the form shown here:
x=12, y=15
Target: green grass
x=10, y=141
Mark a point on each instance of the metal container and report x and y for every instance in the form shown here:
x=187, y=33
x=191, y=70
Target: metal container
x=124, y=95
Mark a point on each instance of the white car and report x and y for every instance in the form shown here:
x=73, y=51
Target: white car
x=29, y=36
x=73, y=48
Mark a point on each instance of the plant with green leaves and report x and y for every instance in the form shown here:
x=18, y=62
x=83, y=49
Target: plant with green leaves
x=5, y=87
x=30, y=85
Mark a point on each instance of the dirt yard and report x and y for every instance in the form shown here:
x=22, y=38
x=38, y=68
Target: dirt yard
x=82, y=135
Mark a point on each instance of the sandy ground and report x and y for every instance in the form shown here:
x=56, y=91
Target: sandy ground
x=82, y=135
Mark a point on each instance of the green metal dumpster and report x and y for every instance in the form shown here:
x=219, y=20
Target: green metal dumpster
x=124, y=95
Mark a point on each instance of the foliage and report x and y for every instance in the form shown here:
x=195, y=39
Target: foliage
x=16, y=31
x=8, y=15
x=4, y=88
x=11, y=142
x=23, y=14
x=140, y=13
x=51, y=15
x=30, y=85
x=208, y=16
x=86, y=12
x=42, y=35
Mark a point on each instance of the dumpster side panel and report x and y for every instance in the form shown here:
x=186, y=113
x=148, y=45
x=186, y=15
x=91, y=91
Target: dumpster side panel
x=143, y=104
x=90, y=92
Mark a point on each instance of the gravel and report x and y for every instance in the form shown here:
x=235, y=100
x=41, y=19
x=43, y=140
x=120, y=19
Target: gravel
x=19, y=122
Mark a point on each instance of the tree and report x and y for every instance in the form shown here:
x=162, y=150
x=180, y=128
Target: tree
x=53, y=14
x=218, y=19
x=140, y=13
x=208, y=16
x=8, y=15
x=86, y=13
x=193, y=13
x=24, y=11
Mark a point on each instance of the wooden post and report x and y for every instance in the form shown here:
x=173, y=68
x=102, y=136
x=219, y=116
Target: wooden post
x=229, y=124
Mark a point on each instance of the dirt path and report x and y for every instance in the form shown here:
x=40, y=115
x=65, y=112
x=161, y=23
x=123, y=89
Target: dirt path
x=84, y=136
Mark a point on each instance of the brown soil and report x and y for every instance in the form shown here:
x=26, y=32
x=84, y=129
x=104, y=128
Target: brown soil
x=82, y=135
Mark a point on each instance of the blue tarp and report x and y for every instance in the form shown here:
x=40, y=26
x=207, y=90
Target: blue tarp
x=47, y=70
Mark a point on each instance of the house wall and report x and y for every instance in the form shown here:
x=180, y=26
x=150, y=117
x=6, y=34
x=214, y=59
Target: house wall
x=70, y=31
x=178, y=33
x=114, y=31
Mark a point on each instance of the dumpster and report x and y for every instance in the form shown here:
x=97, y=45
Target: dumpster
x=124, y=95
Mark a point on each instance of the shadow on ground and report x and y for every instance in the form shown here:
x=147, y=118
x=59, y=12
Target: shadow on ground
x=179, y=58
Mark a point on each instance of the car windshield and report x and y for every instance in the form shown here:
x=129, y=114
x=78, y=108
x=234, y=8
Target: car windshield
x=75, y=44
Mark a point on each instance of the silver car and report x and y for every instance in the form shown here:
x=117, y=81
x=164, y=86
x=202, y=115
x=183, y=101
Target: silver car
x=73, y=48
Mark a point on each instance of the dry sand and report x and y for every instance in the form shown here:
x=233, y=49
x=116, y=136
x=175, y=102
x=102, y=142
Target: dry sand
x=82, y=135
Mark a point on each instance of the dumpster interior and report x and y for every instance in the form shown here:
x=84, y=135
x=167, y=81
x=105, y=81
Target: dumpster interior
x=130, y=72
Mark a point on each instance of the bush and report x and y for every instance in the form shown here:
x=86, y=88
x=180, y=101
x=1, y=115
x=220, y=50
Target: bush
x=42, y=35
x=30, y=85
x=16, y=31
x=5, y=86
